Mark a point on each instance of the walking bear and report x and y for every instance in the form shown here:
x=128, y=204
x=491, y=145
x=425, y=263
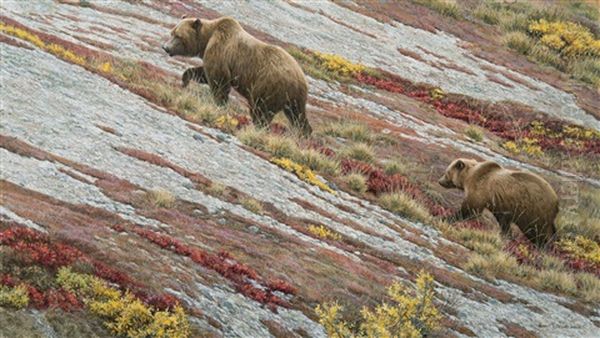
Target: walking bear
x=512, y=196
x=266, y=75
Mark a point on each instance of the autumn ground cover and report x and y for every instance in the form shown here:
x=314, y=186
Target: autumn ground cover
x=568, y=268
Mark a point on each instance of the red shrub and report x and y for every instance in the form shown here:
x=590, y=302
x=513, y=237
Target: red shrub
x=281, y=285
x=223, y=263
x=7, y=280
x=162, y=302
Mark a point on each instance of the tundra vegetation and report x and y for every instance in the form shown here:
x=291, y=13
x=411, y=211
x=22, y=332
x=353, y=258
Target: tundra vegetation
x=348, y=154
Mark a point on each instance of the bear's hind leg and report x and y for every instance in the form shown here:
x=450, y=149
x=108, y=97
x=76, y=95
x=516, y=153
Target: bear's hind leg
x=220, y=92
x=504, y=220
x=261, y=117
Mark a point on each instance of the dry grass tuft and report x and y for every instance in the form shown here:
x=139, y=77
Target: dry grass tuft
x=359, y=151
x=252, y=205
x=317, y=161
x=474, y=133
x=356, y=182
x=404, y=205
x=217, y=189
x=588, y=287
x=556, y=281
x=160, y=198
x=349, y=130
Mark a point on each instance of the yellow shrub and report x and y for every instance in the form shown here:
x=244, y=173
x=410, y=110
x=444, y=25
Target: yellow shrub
x=15, y=297
x=437, y=94
x=53, y=48
x=123, y=313
x=569, y=38
x=526, y=145
x=581, y=247
x=407, y=316
x=22, y=34
x=170, y=325
x=66, y=54
x=227, y=123
x=304, y=173
x=323, y=232
x=329, y=316
x=133, y=320
x=106, y=67
x=338, y=64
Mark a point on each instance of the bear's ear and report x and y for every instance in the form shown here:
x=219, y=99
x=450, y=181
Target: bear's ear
x=196, y=24
x=184, y=16
x=459, y=165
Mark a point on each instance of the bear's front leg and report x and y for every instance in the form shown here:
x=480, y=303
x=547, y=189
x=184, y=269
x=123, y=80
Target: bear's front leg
x=193, y=74
x=466, y=211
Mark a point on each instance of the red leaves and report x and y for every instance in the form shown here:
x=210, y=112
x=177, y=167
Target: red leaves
x=387, y=85
x=282, y=286
x=225, y=265
x=499, y=119
x=35, y=248
x=162, y=302
x=52, y=298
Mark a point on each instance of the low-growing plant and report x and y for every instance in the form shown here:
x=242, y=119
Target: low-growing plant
x=588, y=286
x=349, y=130
x=396, y=167
x=322, y=232
x=217, y=189
x=318, y=161
x=356, y=182
x=404, y=205
x=474, y=133
x=303, y=172
x=15, y=297
x=556, y=281
x=124, y=314
x=360, y=152
x=411, y=313
x=160, y=198
x=444, y=7
x=252, y=205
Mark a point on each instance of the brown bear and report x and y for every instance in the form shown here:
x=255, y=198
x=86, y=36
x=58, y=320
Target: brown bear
x=512, y=196
x=266, y=75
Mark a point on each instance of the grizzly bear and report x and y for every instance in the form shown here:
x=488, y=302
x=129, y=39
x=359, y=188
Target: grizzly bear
x=512, y=196
x=266, y=75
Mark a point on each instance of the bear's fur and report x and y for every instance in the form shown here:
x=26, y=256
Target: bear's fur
x=512, y=196
x=193, y=74
x=266, y=75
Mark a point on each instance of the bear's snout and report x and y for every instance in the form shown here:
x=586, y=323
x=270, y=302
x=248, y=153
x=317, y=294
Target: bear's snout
x=445, y=182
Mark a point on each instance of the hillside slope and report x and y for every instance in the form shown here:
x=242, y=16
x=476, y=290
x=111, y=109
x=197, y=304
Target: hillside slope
x=154, y=199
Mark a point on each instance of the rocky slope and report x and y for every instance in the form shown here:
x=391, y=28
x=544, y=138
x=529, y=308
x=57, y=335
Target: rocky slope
x=78, y=153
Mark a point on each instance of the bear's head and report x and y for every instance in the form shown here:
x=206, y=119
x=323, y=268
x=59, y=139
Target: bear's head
x=186, y=39
x=456, y=173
